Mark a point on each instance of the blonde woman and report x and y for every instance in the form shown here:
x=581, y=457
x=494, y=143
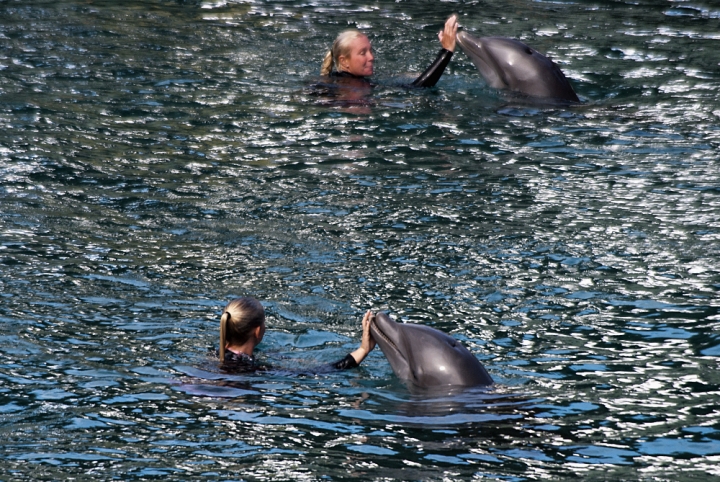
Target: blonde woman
x=351, y=56
x=242, y=327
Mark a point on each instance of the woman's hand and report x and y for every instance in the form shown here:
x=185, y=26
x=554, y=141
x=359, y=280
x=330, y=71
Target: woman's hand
x=447, y=36
x=368, y=342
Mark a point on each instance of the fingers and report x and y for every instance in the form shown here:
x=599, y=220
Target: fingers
x=451, y=25
x=366, y=324
x=367, y=317
x=368, y=342
x=447, y=36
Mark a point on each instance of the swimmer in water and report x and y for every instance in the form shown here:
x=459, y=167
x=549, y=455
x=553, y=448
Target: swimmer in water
x=242, y=327
x=351, y=56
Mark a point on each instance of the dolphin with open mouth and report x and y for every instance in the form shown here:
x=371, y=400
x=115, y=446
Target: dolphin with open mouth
x=509, y=64
x=426, y=357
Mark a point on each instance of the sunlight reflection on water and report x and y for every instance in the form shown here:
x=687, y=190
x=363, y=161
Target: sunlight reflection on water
x=158, y=159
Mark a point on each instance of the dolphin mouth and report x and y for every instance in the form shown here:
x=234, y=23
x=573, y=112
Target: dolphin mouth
x=385, y=338
x=483, y=60
x=397, y=356
x=382, y=334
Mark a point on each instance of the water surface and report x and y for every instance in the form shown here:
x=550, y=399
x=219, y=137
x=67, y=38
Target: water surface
x=160, y=158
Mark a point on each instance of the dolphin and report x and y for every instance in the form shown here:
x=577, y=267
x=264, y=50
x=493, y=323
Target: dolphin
x=510, y=64
x=426, y=357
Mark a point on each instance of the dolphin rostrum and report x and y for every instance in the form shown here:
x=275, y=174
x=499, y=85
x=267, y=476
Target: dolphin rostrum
x=510, y=64
x=426, y=357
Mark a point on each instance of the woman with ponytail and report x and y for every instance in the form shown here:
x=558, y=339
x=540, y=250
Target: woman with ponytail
x=351, y=56
x=242, y=327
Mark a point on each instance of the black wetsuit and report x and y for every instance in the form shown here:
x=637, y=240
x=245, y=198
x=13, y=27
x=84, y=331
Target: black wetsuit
x=427, y=79
x=246, y=363
x=432, y=74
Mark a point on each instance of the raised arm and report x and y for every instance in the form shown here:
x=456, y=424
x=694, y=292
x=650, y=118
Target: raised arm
x=368, y=342
x=447, y=38
x=366, y=346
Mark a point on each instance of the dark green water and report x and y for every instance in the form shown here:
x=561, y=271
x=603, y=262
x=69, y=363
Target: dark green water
x=159, y=158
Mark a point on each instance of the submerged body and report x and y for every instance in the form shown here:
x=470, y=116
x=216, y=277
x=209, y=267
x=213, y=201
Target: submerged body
x=510, y=64
x=426, y=357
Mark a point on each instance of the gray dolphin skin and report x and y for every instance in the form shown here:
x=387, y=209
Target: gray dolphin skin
x=510, y=64
x=426, y=357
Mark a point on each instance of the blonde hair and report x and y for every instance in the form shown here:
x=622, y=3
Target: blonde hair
x=240, y=317
x=340, y=47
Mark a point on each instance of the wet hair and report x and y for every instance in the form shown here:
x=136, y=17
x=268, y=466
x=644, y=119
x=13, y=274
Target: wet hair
x=340, y=47
x=240, y=317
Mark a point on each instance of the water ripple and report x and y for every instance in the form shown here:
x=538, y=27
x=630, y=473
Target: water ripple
x=158, y=159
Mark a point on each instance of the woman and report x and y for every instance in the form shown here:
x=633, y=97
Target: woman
x=351, y=56
x=242, y=327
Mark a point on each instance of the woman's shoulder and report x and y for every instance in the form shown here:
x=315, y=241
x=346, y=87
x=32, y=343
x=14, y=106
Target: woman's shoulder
x=346, y=75
x=239, y=362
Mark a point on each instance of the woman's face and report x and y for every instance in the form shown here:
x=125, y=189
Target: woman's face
x=360, y=61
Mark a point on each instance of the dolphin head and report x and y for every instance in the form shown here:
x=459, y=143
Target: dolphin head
x=426, y=357
x=506, y=63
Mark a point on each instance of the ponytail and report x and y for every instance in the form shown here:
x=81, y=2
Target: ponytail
x=327, y=64
x=223, y=334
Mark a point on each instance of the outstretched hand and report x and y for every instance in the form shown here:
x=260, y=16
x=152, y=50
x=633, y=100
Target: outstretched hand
x=368, y=342
x=448, y=35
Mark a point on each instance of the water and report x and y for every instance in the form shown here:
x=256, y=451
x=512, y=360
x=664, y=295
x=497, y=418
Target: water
x=160, y=158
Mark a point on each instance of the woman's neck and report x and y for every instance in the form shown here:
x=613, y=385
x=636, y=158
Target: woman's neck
x=343, y=73
x=246, y=348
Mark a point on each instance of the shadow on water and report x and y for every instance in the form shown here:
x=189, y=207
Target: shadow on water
x=379, y=402
x=381, y=417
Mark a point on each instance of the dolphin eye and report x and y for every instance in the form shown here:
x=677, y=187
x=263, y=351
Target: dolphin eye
x=528, y=51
